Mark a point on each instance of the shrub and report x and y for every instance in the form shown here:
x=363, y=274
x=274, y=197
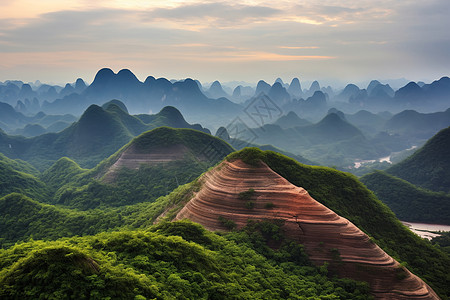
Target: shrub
x=229, y=224
x=247, y=194
x=249, y=204
x=269, y=205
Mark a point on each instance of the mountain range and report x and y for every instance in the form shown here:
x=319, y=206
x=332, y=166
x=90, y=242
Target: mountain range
x=200, y=105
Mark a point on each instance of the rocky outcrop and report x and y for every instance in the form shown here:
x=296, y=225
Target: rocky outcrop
x=239, y=192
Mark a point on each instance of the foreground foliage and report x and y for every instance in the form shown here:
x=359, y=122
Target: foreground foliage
x=178, y=260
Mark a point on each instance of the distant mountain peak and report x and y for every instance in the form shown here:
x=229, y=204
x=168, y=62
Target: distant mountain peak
x=222, y=133
x=127, y=75
x=116, y=102
x=103, y=74
x=262, y=87
x=315, y=86
x=280, y=81
x=295, y=89
x=80, y=84
x=171, y=111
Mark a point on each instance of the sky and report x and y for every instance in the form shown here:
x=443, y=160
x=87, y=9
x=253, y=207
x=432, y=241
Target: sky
x=331, y=40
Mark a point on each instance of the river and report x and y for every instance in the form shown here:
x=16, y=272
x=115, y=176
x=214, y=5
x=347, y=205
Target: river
x=358, y=163
x=426, y=230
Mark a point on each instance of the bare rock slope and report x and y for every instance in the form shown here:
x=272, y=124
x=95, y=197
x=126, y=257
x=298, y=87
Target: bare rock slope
x=132, y=159
x=327, y=237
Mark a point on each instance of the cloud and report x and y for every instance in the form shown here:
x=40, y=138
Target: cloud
x=218, y=14
x=99, y=29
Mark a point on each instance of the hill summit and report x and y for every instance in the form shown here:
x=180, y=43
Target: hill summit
x=244, y=188
x=163, y=145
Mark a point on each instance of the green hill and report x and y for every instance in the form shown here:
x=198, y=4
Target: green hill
x=14, y=178
x=117, y=103
x=19, y=165
x=96, y=129
x=64, y=171
x=428, y=167
x=407, y=201
x=150, y=166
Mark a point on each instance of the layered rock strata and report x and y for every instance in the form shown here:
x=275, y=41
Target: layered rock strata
x=239, y=192
x=133, y=159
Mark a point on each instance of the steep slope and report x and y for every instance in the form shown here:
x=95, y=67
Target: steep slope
x=428, y=167
x=10, y=117
x=240, y=192
x=407, y=201
x=19, y=165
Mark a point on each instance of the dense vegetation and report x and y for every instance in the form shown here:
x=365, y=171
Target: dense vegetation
x=15, y=177
x=173, y=260
x=443, y=241
x=408, y=202
x=429, y=167
x=24, y=218
x=344, y=194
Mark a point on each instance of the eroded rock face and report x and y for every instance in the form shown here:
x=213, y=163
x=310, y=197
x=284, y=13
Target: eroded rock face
x=132, y=159
x=327, y=237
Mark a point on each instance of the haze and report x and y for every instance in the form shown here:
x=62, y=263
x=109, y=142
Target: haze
x=349, y=41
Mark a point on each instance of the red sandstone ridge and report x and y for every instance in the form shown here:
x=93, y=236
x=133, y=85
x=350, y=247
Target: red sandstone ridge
x=327, y=237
